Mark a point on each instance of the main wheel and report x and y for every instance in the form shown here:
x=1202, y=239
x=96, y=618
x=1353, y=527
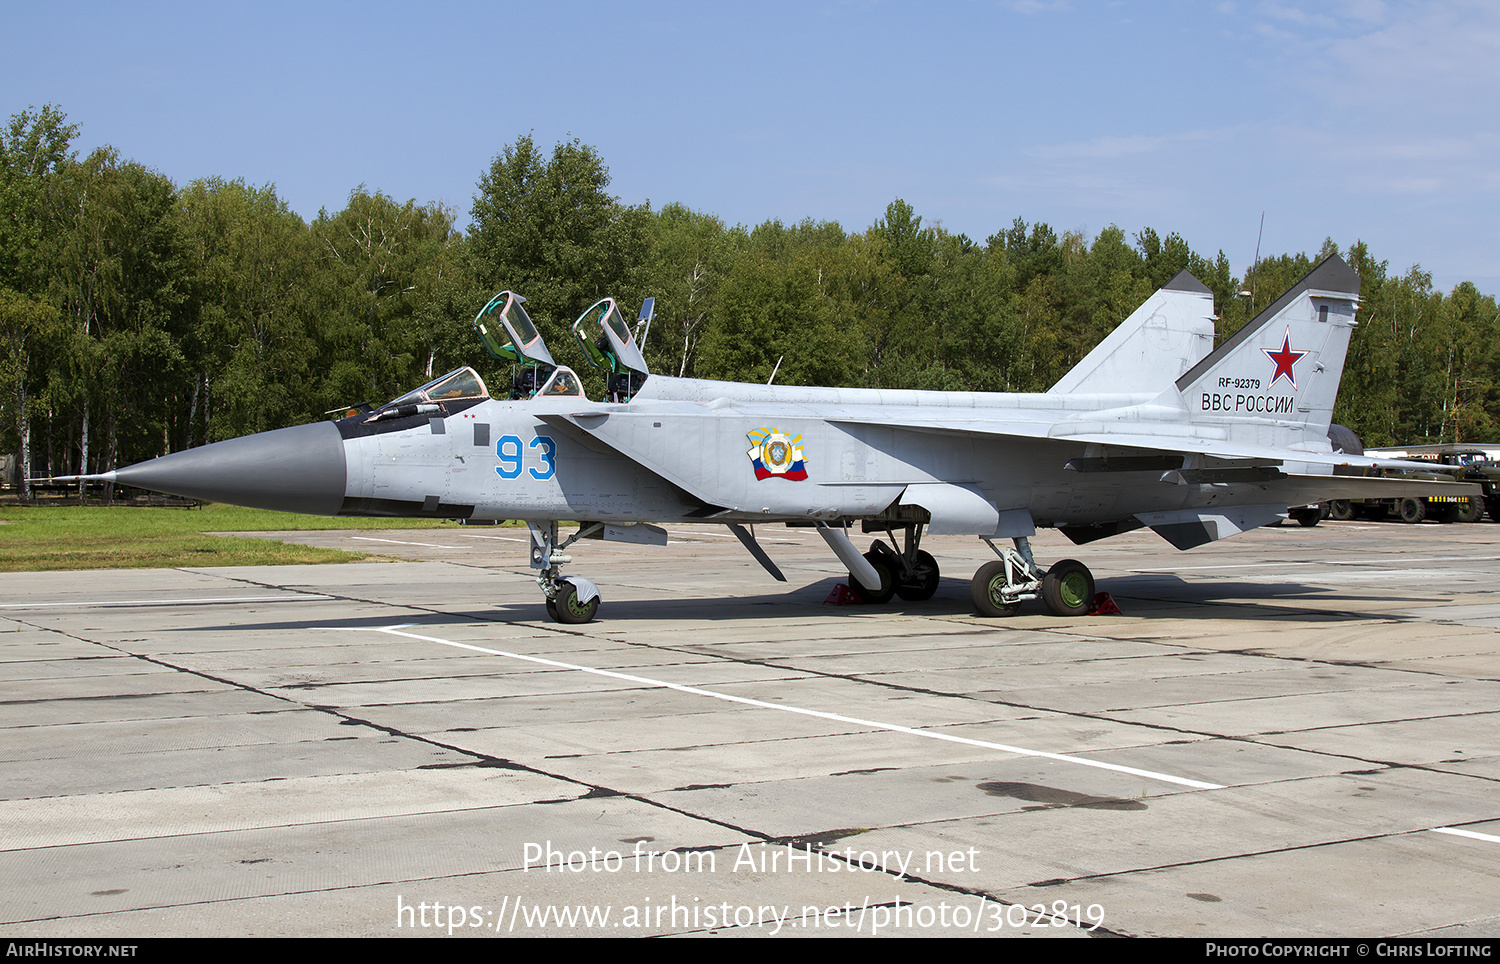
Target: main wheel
x=1068, y=589
x=922, y=582
x=887, y=574
x=1412, y=510
x=1307, y=517
x=1340, y=510
x=985, y=591
x=567, y=609
x=1493, y=504
x=1471, y=511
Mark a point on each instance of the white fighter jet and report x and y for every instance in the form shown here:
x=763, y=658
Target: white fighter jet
x=1153, y=428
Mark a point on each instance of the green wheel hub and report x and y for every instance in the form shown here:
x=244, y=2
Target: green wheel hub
x=1074, y=589
x=1068, y=589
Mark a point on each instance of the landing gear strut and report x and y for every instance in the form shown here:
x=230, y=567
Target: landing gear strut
x=911, y=573
x=1001, y=586
x=570, y=599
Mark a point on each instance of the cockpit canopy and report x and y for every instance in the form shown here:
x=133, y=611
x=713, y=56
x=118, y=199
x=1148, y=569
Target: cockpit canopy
x=605, y=339
x=452, y=392
x=607, y=343
x=504, y=312
x=458, y=384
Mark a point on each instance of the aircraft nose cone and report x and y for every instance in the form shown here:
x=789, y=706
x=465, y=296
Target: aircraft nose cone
x=297, y=469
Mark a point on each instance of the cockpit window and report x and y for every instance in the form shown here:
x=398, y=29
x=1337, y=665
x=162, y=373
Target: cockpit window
x=521, y=322
x=563, y=383
x=618, y=326
x=461, y=383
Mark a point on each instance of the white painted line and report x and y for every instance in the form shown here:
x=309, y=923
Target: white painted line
x=1398, y=574
x=1354, y=563
x=874, y=724
x=1247, y=565
x=429, y=545
x=1404, y=558
x=298, y=597
x=474, y=535
x=1486, y=837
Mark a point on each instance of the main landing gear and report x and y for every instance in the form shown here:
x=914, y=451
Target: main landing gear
x=999, y=587
x=911, y=574
x=570, y=599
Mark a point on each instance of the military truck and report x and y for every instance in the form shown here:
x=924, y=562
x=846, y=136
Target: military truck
x=1465, y=462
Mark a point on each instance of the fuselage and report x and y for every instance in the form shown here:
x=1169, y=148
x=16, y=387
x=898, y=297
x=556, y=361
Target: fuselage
x=688, y=450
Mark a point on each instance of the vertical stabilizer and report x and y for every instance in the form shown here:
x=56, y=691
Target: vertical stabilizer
x=1161, y=339
x=1276, y=379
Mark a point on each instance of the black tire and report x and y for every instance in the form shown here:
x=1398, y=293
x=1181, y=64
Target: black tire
x=1307, y=517
x=1471, y=511
x=1412, y=511
x=1493, y=504
x=1068, y=589
x=1444, y=512
x=984, y=591
x=1340, y=510
x=887, y=572
x=567, y=609
x=923, y=580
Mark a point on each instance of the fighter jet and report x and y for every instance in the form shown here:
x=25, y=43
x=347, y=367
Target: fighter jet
x=1154, y=427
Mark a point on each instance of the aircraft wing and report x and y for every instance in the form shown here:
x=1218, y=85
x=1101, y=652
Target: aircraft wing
x=1179, y=438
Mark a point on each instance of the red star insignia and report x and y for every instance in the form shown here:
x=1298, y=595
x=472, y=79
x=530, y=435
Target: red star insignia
x=1284, y=359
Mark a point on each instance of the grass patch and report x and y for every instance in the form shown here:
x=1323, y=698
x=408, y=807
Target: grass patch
x=127, y=537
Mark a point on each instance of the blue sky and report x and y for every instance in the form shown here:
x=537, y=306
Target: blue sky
x=1356, y=120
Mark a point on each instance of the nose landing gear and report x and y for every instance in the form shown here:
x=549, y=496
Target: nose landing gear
x=570, y=599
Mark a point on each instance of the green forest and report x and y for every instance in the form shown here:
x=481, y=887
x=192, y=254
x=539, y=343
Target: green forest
x=139, y=317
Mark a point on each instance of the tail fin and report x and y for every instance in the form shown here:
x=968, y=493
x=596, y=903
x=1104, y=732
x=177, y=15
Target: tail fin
x=1282, y=369
x=1168, y=334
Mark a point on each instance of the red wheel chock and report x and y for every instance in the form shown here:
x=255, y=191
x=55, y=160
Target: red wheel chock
x=842, y=595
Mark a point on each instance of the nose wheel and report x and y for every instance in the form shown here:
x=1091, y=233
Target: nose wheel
x=570, y=599
x=566, y=607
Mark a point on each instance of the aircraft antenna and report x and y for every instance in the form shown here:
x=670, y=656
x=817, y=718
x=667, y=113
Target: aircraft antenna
x=1255, y=265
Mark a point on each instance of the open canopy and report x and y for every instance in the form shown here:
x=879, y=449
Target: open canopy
x=509, y=335
x=606, y=340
